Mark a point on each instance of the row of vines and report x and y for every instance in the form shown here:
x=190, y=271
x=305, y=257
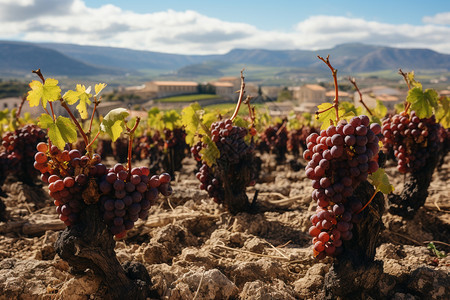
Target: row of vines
x=89, y=163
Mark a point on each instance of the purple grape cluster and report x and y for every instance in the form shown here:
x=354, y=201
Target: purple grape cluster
x=411, y=138
x=340, y=158
x=235, y=167
x=18, y=150
x=127, y=196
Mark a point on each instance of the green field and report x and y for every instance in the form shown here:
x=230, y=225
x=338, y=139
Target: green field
x=188, y=98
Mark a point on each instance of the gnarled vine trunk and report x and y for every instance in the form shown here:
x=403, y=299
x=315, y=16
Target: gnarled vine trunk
x=415, y=189
x=355, y=269
x=90, y=245
x=235, y=178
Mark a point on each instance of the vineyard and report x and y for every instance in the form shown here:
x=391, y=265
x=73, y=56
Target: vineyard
x=352, y=203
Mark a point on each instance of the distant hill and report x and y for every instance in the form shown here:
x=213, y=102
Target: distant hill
x=77, y=60
x=18, y=59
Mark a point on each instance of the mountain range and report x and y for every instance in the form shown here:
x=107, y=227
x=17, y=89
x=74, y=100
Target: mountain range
x=19, y=58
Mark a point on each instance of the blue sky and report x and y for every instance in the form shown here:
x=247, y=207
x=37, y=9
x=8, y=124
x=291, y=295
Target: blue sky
x=208, y=27
x=284, y=14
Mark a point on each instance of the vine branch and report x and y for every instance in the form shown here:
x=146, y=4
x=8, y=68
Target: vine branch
x=353, y=81
x=130, y=143
x=241, y=96
x=336, y=98
x=405, y=77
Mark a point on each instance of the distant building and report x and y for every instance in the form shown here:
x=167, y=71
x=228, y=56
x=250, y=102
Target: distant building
x=313, y=93
x=171, y=88
x=227, y=87
x=343, y=96
x=224, y=89
x=389, y=96
x=280, y=109
x=308, y=97
x=105, y=107
x=271, y=91
x=11, y=103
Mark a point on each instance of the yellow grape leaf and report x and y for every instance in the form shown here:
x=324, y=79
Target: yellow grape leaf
x=443, y=112
x=412, y=80
x=48, y=92
x=99, y=87
x=380, y=110
x=210, y=153
x=191, y=120
x=381, y=182
x=328, y=117
x=81, y=94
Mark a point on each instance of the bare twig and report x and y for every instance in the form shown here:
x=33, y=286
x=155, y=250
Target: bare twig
x=241, y=96
x=353, y=81
x=436, y=242
x=336, y=98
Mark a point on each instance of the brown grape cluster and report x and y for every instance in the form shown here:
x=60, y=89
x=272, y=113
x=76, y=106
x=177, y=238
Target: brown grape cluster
x=340, y=158
x=77, y=180
x=411, y=138
x=17, y=153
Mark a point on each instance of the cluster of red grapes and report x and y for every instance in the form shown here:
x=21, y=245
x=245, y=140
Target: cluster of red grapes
x=68, y=174
x=175, y=149
x=274, y=139
x=340, y=158
x=230, y=140
x=297, y=139
x=147, y=146
x=411, y=138
x=19, y=148
x=127, y=196
x=75, y=180
x=195, y=150
x=210, y=183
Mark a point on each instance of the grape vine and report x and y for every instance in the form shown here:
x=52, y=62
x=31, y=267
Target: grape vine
x=226, y=155
x=340, y=158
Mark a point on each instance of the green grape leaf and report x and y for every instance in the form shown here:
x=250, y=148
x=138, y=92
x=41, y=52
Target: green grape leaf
x=422, y=102
x=191, y=119
x=113, y=123
x=443, y=112
x=327, y=118
x=211, y=153
x=99, y=87
x=207, y=119
x=48, y=92
x=380, y=180
x=412, y=80
x=60, y=132
x=171, y=119
x=81, y=94
x=380, y=110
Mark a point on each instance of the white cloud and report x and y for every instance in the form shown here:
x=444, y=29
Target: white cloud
x=189, y=32
x=440, y=18
x=323, y=31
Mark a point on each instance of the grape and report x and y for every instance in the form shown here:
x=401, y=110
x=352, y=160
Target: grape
x=411, y=138
x=338, y=160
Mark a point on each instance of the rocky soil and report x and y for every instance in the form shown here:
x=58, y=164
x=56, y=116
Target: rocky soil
x=194, y=249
